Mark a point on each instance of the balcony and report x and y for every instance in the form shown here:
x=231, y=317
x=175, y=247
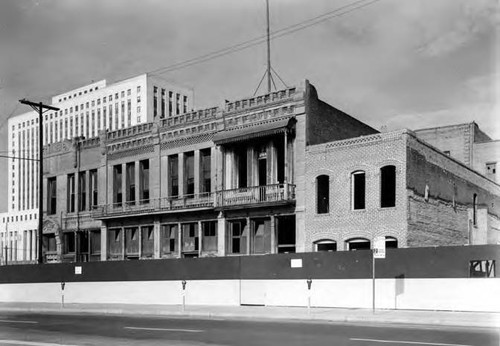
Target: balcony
x=257, y=195
x=248, y=196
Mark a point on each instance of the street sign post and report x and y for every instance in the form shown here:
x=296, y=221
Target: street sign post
x=378, y=252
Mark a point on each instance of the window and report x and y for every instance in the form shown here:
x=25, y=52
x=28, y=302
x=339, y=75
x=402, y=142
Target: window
x=206, y=175
x=170, y=109
x=358, y=244
x=155, y=102
x=388, y=187
x=115, y=241
x=178, y=104
x=286, y=234
x=95, y=242
x=163, y=102
x=51, y=195
x=209, y=229
x=190, y=239
x=391, y=243
x=189, y=174
x=130, y=182
x=168, y=239
x=185, y=104
x=322, y=194
x=482, y=269
x=491, y=170
x=241, y=162
x=474, y=209
x=237, y=237
x=71, y=193
x=69, y=242
x=82, y=187
x=147, y=241
x=260, y=237
x=117, y=186
x=132, y=242
x=173, y=175
x=326, y=245
x=358, y=190
x=144, y=181
x=93, y=188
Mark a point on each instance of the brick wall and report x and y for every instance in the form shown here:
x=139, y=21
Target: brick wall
x=338, y=160
x=326, y=123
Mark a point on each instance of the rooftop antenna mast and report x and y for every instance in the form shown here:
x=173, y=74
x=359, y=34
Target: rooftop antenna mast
x=269, y=69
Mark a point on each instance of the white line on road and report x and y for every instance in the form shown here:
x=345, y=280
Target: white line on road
x=15, y=321
x=407, y=342
x=30, y=343
x=167, y=329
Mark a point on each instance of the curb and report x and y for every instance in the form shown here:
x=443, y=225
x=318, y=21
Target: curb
x=372, y=319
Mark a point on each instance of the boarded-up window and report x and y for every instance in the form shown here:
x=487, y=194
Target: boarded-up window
x=69, y=242
x=322, y=194
x=95, y=242
x=388, y=187
x=132, y=242
x=358, y=190
x=261, y=236
x=93, y=188
x=358, y=244
x=237, y=237
x=286, y=234
x=482, y=269
x=115, y=241
x=209, y=229
x=168, y=239
x=190, y=237
x=147, y=241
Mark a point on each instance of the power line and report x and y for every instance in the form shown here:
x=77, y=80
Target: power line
x=338, y=12
x=18, y=158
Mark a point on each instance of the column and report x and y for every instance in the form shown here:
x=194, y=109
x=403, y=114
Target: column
x=197, y=164
x=157, y=239
x=179, y=240
x=285, y=169
x=104, y=243
x=200, y=239
x=249, y=235
x=221, y=234
x=274, y=245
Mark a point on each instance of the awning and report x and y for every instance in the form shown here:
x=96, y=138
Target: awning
x=253, y=131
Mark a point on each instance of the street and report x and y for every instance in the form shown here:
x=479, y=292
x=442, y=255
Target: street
x=33, y=329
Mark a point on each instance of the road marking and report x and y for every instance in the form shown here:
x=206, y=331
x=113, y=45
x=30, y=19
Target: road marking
x=30, y=343
x=167, y=329
x=407, y=342
x=16, y=321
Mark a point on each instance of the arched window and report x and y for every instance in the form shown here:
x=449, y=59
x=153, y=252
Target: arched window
x=326, y=245
x=358, y=188
x=474, y=209
x=323, y=194
x=388, y=186
x=391, y=243
x=355, y=244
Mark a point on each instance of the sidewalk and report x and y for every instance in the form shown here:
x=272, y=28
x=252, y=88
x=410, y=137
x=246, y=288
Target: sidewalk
x=318, y=315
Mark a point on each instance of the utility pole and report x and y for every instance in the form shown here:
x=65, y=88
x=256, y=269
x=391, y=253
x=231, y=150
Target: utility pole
x=40, y=108
x=269, y=77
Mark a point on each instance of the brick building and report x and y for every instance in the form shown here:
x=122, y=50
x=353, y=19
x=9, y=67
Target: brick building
x=250, y=178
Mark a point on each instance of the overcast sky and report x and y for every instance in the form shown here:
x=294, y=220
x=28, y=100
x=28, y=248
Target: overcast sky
x=399, y=64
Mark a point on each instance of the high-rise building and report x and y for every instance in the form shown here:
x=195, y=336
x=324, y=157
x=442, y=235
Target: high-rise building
x=83, y=113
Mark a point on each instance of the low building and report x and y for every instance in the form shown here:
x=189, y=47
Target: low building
x=280, y=172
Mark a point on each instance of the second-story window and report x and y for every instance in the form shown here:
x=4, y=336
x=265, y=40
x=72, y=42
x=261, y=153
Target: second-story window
x=323, y=194
x=358, y=188
x=130, y=183
x=93, y=188
x=388, y=186
x=144, y=181
x=173, y=175
x=241, y=162
x=71, y=193
x=82, y=186
x=155, y=102
x=51, y=195
x=117, y=186
x=206, y=173
x=189, y=174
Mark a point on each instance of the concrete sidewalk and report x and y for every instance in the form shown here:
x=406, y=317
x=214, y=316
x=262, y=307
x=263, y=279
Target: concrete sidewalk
x=318, y=315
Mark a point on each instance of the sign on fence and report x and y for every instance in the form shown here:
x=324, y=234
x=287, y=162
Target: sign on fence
x=379, y=247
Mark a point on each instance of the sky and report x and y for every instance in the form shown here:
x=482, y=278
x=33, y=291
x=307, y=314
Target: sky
x=392, y=64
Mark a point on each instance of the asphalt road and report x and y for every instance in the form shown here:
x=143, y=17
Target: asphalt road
x=57, y=329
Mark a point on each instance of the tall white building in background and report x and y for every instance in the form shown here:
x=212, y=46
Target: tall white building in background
x=83, y=112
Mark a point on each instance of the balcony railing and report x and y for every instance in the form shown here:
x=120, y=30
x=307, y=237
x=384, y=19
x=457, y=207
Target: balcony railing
x=226, y=198
x=256, y=195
